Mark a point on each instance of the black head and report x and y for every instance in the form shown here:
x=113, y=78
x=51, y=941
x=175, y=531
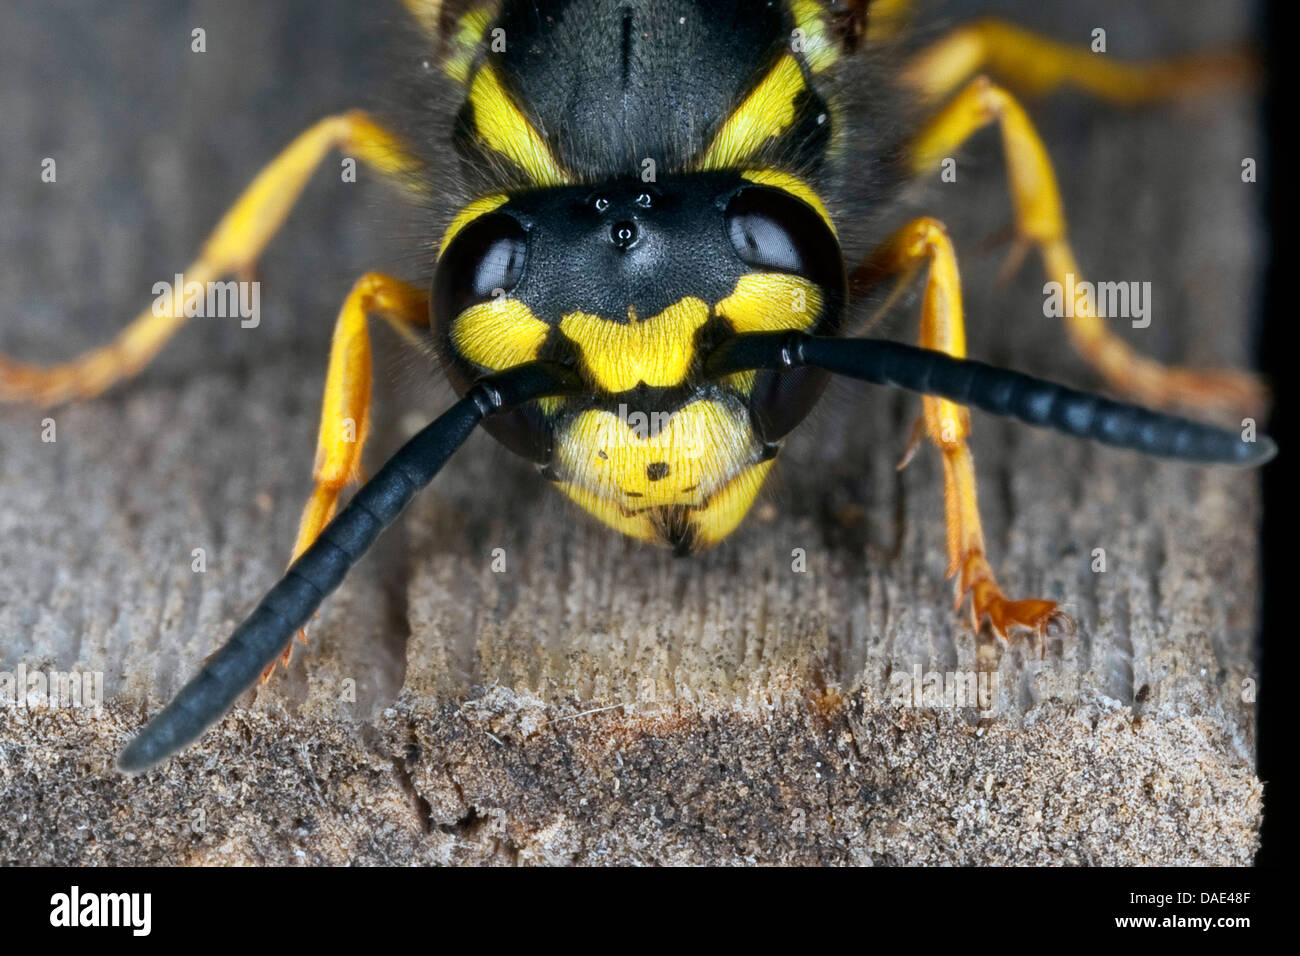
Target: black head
x=633, y=283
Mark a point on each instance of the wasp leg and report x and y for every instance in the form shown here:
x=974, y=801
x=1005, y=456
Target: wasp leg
x=1037, y=65
x=426, y=13
x=232, y=248
x=947, y=424
x=345, y=409
x=886, y=19
x=258, y=641
x=1040, y=220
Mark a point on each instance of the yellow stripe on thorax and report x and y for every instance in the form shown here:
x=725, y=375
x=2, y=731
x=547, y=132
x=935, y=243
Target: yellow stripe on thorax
x=819, y=48
x=657, y=351
x=505, y=130
x=766, y=113
x=464, y=38
x=465, y=42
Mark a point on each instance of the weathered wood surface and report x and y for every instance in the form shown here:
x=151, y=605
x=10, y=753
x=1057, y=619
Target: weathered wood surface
x=598, y=701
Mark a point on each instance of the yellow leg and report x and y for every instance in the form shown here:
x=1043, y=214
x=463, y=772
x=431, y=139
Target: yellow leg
x=233, y=248
x=1040, y=220
x=887, y=19
x=925, y=242
x=345, y=409
x=1036, y=65
x=427, y=13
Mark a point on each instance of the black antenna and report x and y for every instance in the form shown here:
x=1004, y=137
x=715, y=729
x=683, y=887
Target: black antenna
x=288, y=606
x=992, y=389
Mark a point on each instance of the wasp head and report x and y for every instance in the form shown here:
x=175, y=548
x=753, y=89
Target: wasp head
x=633, y=284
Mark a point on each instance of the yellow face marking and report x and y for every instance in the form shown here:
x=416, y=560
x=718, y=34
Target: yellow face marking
x=794, y=186
x=743, y=382
x=647, y=460
x=771, y=302
x=657, y=351
x=499, y=334
x=624, y=471
x=622, y=468
x=819, y=49
x=505, y=130
x=728, y=507
x=479, y=207
x=710, y=524
x=639, y=524
x=767, y=112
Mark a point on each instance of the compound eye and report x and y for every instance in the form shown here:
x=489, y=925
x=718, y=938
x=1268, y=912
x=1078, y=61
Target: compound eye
x=484, y=261
x=773, y=231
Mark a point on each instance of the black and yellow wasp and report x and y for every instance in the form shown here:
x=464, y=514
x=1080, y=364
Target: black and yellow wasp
x=656, y=250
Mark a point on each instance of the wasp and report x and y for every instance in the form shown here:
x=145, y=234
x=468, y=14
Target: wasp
x=659, y=241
